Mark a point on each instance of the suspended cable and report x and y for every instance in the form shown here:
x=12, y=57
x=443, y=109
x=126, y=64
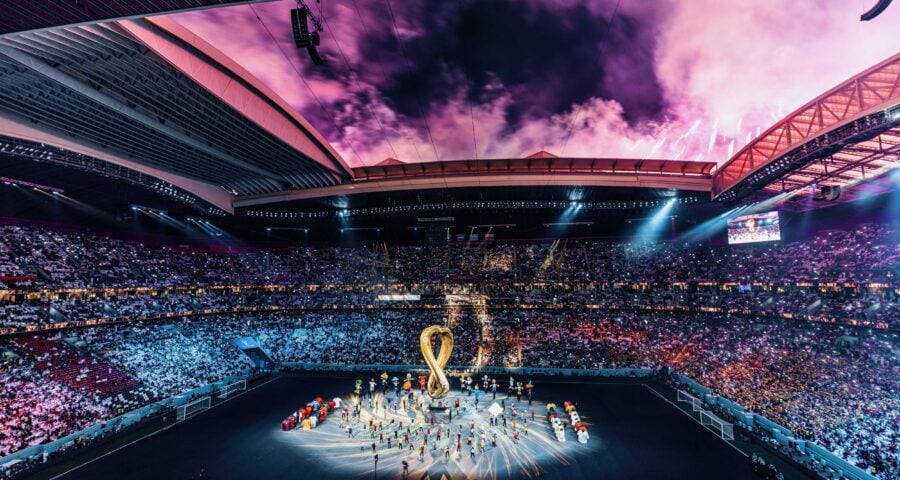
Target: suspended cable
x=303, y=79
x=468, y=90
x=409, y=69
x=383, y=77
x=356, y=84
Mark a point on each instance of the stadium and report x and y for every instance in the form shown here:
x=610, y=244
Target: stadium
x=481, y=239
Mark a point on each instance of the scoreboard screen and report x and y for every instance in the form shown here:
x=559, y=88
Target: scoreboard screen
x=759, y=227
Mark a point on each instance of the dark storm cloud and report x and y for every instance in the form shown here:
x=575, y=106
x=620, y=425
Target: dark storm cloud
x=493, y=76
x=547, y=57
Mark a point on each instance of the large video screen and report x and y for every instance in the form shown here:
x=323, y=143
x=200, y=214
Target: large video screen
x=759, y=227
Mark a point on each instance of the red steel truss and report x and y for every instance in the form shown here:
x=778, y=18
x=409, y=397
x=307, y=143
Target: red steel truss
x=546, y=165
x=871, y=91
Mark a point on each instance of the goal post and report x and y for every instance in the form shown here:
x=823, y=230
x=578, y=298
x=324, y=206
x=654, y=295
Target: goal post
x=721, y=427
x=696, y=403
x=232, y=387
x=191, y=408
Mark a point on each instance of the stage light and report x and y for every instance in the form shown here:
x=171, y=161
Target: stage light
x=303, y=38
x=564, y=224
x=828, y=193
x=895, y=113
x=300, y=27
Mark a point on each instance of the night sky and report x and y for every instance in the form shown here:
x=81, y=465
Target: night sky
x=460, y=79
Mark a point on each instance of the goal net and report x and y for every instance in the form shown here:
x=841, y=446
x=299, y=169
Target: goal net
x=721, y=427
x=191, y=408
x=232, y=387
x=696, y=403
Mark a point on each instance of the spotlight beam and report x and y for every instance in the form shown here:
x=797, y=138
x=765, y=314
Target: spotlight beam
x=653, y=227
x=36, y=186
x=712, y=226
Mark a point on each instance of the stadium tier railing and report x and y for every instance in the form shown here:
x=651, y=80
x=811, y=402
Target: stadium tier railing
x=49, y=327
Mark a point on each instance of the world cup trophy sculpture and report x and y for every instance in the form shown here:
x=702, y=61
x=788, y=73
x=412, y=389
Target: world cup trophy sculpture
x=437, y=387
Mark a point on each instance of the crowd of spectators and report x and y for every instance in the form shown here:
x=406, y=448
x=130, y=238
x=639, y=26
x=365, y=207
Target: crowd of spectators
x=867, y=254
x=875, y=307
x=576, y=304
x=806, y=279
x=35, y=410
x=835, y=385
x=172, y=360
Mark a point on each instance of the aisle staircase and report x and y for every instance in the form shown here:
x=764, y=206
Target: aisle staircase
x=259, y=357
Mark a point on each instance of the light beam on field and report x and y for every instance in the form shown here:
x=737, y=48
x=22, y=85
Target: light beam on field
x=351, y=457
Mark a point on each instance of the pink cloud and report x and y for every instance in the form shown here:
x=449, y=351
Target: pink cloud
x=728, y=70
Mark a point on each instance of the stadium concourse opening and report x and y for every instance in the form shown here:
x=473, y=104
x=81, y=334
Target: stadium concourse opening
x=489, y=239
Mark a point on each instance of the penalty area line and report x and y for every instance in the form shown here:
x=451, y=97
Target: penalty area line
x=727, y=442
x=159, y=431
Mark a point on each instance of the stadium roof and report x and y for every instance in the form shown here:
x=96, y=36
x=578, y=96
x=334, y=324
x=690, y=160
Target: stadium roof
x=845, y=136
x=151, y=96
x=541, y=169
x=25, y=15
x=154, y=100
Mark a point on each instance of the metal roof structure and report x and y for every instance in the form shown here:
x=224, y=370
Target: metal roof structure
x=155, y=101
x=26, y=15
x=843, y=137
x=544, y=170
x=151, y=96
x=534, y=165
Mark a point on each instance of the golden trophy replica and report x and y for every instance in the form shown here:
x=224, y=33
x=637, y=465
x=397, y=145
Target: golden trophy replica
x=438, y=387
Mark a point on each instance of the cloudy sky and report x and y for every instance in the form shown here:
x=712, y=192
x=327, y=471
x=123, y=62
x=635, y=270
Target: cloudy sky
x=420, y=80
